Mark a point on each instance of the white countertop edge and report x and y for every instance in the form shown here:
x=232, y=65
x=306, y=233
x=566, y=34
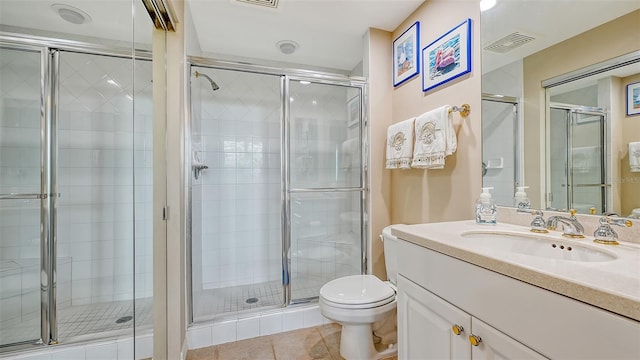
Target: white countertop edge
x=578, y=285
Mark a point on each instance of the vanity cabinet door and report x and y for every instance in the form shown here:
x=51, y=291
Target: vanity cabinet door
x=495, y=345
x=427, y=325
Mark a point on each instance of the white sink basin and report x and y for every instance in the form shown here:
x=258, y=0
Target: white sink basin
x=539, y=246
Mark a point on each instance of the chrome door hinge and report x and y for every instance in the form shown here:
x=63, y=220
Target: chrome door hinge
x=165, y=213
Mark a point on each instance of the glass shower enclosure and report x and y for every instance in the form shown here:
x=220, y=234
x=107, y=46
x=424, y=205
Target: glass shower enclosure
x=577, y=149
x=75, y=193
x=277, y=186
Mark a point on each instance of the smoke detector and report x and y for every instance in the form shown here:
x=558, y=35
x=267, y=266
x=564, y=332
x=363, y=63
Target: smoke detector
x=287, y=47
x=71, y=14
x=509, y=42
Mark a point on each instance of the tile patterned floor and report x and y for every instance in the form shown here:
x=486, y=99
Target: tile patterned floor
x=79, y=322
x=320, y=342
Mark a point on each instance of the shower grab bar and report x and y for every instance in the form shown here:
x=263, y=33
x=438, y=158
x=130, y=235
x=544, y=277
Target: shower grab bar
x=23, y=196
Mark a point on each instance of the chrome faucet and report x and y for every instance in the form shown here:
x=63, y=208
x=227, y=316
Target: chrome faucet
x=571, y=227
x=605, y=234
x=538, y=224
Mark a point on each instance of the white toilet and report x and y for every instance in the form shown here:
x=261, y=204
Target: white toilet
x=358, y=301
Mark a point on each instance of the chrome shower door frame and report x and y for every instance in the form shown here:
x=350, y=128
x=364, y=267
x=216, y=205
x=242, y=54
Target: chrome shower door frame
x=572, y=114
x=286, y=76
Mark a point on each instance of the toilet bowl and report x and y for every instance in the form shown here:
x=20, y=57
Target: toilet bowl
x=358, y=301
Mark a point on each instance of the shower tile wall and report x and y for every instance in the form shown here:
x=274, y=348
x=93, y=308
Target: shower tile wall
x=497, y=130
x=99, y=145
x=239, y=140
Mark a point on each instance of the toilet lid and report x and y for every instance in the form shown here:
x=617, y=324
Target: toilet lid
x=356, y=290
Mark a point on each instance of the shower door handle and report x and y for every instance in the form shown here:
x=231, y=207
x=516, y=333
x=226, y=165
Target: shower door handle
x=24, y=196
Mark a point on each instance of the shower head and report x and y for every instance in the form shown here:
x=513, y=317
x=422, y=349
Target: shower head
x=214, y=86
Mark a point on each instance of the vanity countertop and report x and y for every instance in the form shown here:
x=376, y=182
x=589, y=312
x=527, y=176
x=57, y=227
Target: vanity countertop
x=612, y=285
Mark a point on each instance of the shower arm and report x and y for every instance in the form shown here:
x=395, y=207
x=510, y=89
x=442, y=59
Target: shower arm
x=214, y=86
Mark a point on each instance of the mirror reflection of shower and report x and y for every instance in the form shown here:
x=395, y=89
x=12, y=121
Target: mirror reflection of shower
x=214, y=86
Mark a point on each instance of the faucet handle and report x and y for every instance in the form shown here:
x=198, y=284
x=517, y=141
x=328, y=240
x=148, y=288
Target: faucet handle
x=572, y=213
x=614, y=219
x=538, y=225
x=605, y=234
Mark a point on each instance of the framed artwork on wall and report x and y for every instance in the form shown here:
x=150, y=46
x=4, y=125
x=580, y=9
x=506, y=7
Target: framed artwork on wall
x=406, y=62
x=633, y=99
x=448, y=57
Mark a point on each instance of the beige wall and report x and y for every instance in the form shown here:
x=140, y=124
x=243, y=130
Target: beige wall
x=170, y=308
x=419, y=196
x=377, y=67
x=615, y=38
x=629, y=181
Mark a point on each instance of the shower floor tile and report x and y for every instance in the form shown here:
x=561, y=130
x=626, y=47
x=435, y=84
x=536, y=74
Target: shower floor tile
x=214, y=303
x=84, y=321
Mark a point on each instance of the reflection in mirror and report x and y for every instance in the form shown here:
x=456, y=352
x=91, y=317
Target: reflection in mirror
x=572, y=142
x=75, y=121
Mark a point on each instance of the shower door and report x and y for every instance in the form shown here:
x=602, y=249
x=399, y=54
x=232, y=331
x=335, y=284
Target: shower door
x=325, y=186
x=277, y=187
x=501, y=147
x=578, y=167
x=24, y=227
x=75, y=194
x=236, y=251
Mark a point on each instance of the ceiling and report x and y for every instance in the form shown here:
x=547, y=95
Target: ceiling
x=329, y=32
x=548, y=21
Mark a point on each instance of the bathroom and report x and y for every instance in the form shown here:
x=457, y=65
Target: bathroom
x=392, y=197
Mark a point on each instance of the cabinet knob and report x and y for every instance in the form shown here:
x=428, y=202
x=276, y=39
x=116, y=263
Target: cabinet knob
x=475, y=340
x=457, y=329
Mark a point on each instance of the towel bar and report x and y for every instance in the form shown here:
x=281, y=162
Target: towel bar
x=464, y=110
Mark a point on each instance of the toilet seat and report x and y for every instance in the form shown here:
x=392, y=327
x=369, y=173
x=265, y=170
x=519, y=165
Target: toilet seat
x=357, y=292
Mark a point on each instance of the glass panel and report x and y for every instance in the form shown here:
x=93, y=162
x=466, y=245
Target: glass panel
x=324, y=136
x=235, y=190
x=587, y=165
x=558, y=159
x=498, y=150
x=325, y=239
x=95, y=208
x=20, y=164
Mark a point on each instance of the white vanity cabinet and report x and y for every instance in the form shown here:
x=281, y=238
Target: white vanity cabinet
x=431, y=328
x=514, y=320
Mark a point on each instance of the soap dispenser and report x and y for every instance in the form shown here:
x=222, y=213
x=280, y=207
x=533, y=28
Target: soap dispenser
x=521, y=199
x=486, y=211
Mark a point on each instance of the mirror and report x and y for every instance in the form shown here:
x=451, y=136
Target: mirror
x=554, y=80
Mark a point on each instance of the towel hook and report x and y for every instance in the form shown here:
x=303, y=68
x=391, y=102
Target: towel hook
x=464, y=109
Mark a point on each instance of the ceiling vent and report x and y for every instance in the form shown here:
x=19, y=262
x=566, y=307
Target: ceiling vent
x=509, y=42
x=264, y=3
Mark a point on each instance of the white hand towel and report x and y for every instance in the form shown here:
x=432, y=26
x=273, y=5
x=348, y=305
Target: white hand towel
x=435, y=139
x=400, y=144
x=634, y=156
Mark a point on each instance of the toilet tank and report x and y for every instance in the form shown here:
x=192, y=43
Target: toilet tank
x=390, y=254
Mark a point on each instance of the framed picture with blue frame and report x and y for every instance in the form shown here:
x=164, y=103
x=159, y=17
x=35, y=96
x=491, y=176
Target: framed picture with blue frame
x=448, y=57
x=406, y=55
x=633, y=99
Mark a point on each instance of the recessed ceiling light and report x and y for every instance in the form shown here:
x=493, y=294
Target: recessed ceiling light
x=71, y=14
x=287, y=47
x=487, y=4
